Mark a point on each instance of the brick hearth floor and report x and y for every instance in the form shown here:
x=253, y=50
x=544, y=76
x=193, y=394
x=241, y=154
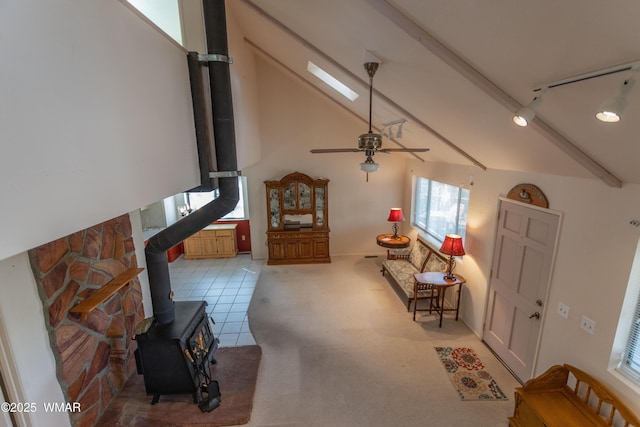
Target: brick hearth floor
x=227, y=285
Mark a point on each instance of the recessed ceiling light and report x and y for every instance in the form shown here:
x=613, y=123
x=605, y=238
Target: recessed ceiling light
x=331, y=81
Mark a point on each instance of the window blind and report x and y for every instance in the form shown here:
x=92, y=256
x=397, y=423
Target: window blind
x=630, y=364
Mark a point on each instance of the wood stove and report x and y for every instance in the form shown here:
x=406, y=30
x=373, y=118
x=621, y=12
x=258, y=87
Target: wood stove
x=175, y=357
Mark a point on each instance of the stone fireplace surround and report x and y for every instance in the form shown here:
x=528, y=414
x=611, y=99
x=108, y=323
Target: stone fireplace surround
x=95, y=356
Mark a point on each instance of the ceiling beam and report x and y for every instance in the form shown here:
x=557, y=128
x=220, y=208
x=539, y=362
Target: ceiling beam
x=364, y=83
x=487, y=86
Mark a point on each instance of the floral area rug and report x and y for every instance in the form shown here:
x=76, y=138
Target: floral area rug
x=468, y=375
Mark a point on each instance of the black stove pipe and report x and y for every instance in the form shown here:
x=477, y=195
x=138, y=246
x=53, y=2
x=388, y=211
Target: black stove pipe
x=225, y=145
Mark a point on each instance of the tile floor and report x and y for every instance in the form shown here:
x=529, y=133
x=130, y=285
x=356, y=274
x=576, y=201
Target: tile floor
x=227, y=285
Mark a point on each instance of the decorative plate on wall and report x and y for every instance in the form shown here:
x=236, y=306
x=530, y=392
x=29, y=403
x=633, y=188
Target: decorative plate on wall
x=528, y=193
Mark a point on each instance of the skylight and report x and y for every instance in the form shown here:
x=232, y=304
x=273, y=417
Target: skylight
x=331, y=81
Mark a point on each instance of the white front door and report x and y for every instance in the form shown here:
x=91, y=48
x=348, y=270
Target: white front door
x=522, y=260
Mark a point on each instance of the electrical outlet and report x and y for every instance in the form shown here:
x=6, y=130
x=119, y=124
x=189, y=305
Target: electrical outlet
x=243, y=237
x=588, y=324
x=563, y=310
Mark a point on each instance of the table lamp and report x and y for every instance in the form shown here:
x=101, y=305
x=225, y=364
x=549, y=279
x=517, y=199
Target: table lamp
x=452, y=246
x=395, y=216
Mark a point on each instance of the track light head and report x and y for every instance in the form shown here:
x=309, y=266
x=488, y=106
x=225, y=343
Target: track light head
x=612, y=109
x=524, y=115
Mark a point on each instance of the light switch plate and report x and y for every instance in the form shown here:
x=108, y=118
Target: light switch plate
x=563, y=310
x=588, y=324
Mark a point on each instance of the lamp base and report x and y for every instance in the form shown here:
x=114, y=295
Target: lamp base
x=449, y=275
x=395, y=231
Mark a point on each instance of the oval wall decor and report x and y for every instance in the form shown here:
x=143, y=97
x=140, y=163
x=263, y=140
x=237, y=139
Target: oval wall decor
x=528, y=193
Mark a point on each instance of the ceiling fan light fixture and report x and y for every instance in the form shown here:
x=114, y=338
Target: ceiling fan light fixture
x=369, y=166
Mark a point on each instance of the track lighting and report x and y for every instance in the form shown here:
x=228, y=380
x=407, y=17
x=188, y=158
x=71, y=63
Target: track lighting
x=524, y=115
x=612, y=109
x=389, y=127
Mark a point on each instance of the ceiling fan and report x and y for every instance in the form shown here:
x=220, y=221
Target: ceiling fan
x=369, y=142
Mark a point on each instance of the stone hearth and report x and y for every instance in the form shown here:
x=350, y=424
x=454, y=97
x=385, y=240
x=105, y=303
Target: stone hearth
x=95, y=356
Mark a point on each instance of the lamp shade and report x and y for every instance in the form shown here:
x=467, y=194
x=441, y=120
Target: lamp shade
x=452, y=245
x=395, y=215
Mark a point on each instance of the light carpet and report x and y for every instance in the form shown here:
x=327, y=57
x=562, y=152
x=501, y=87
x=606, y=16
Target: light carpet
x=340, y=349
x=468, y=374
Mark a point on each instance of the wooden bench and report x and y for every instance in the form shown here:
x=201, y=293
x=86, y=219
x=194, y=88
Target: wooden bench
x=403, y=264
x=565, y=396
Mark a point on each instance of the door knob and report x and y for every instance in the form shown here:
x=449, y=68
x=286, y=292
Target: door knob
x=539, y=303
x=536, y=315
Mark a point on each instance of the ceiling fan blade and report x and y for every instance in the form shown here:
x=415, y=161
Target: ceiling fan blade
x=335, y=150
x=404, y=150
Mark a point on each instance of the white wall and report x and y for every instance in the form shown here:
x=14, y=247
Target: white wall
x=25, y=337
x=594, y=259
x=95, y=121
x=295, y=118
x=95, y=118
x=244, y=88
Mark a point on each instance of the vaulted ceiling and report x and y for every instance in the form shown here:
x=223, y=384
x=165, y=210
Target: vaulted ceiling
x=458, y=70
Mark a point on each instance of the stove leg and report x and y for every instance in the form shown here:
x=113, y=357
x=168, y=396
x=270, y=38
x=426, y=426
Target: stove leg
x=156, y=398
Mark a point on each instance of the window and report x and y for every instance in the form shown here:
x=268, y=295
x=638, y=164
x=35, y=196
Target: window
x=631, y=360
x=336, y=84
x=439, y=209
x=164, y=13
x=630, y=364
x=197, y=200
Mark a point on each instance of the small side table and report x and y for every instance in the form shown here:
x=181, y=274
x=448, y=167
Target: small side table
x=387, y=241
x=438, y=284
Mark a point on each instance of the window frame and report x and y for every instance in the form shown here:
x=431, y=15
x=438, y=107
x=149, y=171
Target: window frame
x=630, y=362
x=241, y=211
x=458, y=219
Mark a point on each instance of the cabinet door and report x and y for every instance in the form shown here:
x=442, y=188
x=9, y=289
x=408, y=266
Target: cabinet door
x=192, y=246
x=320, y=220
x=321, y=248
x=289, y=200
x=226, y=242
x=304, y=196
x=305, y=249
x=276, y=250
x=274, y=208
x=208, y=238
x=291, y=249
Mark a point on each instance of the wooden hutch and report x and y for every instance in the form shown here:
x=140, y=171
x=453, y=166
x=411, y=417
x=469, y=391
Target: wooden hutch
x=298, y=224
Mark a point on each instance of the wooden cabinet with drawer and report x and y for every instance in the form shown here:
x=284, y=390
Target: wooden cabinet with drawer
x=214, y=241
x=298, y=220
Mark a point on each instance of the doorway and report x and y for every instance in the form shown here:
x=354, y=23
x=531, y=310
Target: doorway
x=526, y=240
